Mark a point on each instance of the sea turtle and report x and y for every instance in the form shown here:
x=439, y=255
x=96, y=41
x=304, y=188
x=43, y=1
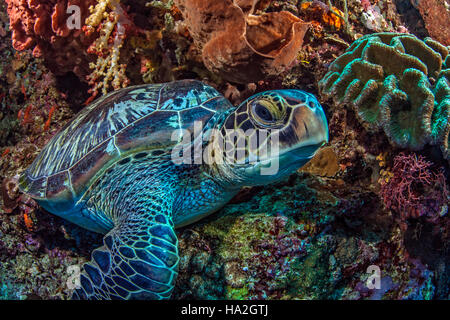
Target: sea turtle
x=143, y=160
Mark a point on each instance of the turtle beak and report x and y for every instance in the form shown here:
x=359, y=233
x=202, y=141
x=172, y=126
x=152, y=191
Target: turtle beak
x=308, y=131
x=310, y=123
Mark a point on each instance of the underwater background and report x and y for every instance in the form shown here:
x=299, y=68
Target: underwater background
x=376, y=195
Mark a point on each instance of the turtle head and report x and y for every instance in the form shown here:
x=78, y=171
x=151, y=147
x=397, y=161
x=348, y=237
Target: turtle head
x=272, y=134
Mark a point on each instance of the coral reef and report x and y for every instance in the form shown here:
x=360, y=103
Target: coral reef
x=406, y=95
x=112, y=23
x=372, y=17
x=238, y=44
x=321, y=14
x=256, y=249
x=42, y=25
x=357, y=203
x=83, y=37
x=306, y=238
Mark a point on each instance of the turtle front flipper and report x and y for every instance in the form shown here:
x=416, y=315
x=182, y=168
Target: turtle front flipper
x=139, y=258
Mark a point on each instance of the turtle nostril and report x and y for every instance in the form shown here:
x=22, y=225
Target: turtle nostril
x=311, y=105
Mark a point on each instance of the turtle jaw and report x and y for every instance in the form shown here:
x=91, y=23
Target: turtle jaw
x=278, y=167
x=296, y=158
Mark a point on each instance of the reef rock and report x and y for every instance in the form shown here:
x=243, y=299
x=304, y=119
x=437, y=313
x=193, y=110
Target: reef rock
x=398, y=83
x=436, y=15
x=325, y=163
x=238, y=44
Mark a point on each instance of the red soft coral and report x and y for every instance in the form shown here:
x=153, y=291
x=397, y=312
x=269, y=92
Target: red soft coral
x=415, y=190
x=41, y=25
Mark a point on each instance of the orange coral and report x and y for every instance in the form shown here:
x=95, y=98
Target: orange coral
x=47, y=123
x=5, y=152
x=24, y=116
x=28, y=222
x=24, y=92
x=239, y=45
x=320, y=12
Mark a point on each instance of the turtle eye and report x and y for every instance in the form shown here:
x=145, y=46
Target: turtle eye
x=262, y=113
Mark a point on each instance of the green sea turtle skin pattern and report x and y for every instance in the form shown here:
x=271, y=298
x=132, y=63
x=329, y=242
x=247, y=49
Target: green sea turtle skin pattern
x=139, y=256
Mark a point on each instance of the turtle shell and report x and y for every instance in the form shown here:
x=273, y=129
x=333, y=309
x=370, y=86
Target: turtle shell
x=122, y=122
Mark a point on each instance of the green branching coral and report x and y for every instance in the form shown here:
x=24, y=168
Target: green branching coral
x=396, y=82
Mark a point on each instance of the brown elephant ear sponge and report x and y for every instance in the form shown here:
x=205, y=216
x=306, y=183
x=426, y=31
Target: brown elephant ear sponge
x=397, y=83
x=237, y=44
